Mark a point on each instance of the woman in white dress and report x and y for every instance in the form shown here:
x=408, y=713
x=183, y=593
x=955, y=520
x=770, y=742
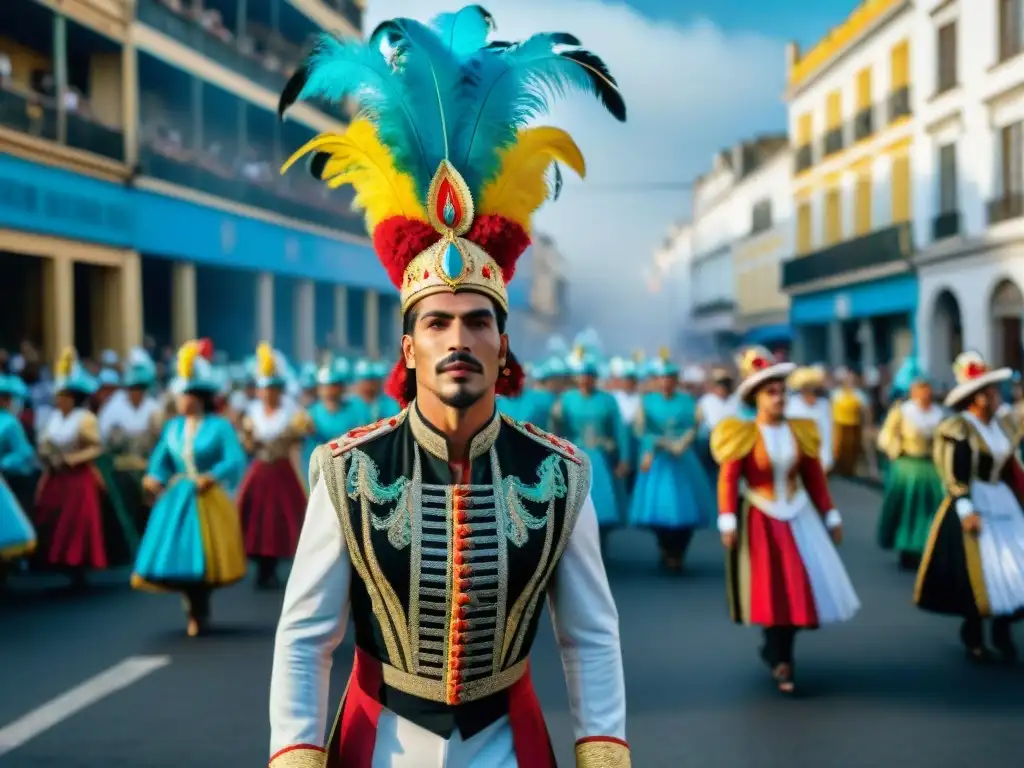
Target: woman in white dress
x=973, y=563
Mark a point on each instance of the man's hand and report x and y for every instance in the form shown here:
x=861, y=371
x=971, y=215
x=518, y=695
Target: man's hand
x=729, y=540
x=972, y=524
x=645, y=462
x=836, y=532
x=205, y=483
x=152, y=485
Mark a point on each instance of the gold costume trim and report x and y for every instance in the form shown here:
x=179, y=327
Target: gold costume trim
x=436, y=444
x=437, y=690
x=808, y=440
x=602, y=754
x=732, y=439
x=18, y=550
x=300, y=758
x=975, y=574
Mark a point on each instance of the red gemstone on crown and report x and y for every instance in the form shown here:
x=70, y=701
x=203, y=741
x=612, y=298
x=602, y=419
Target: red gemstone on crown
x=448, y=208
x=486, y=272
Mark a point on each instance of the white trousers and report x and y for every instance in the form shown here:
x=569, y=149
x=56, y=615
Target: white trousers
x=403, y=744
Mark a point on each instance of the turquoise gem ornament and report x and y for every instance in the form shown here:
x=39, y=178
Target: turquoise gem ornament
x=453, y=264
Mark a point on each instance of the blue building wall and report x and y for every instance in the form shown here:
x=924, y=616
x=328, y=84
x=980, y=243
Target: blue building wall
x=888, y=296
x=284, y=315
x=227, y=315
x=323, y=319
x=356, y=320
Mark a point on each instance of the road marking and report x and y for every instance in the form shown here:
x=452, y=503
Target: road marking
x=69, y=703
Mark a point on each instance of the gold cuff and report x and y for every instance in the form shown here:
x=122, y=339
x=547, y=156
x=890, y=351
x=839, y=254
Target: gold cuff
x=601, y=752
x=299, y=757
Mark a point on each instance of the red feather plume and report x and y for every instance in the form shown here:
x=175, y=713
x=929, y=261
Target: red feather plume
x=206, y=349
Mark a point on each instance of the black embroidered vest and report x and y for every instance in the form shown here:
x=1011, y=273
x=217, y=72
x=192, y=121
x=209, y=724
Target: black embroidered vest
x=449, y=573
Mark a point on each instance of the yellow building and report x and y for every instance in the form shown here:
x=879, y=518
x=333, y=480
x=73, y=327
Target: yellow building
x=851, y=105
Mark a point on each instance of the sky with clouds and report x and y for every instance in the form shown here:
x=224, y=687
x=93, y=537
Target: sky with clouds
x=697, y=76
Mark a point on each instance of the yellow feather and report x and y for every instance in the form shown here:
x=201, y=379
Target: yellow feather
x=187, y=358
x=520, y=187
x=358, y=157
x=664, y=354
x=265, y=362
x=66, y=362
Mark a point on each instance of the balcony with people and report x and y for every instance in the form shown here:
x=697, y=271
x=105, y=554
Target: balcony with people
x=60, y=85
x=201, y=138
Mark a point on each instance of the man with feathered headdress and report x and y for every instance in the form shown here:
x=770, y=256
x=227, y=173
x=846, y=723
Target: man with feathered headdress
x=441, y=528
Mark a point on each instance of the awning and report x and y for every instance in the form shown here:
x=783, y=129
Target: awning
x=769, y=334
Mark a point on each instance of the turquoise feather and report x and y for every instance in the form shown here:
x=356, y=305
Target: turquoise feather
x=464, y=32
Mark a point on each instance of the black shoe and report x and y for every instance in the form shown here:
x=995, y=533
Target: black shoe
x=1002, y=641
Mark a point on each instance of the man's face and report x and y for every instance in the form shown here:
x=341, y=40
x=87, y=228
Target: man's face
x=771, y=399
x=455, y=347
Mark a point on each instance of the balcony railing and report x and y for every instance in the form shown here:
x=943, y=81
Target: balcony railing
x=899, y=103
x=38, y=116
x=1008, y=206
x=154, y=14
x=885, y=246
x=864, y=124
x=804, y=158
x=242, y=191
x=833, y=142
x=946, y=225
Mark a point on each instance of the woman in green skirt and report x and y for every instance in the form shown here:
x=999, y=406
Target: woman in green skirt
x=913, y=489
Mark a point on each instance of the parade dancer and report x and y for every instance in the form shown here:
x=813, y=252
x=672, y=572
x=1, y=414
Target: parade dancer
x=673, y=496
x=272, y=498
x=79, y=516
x=973, y=563
x=333, y=413
x=806, y=402
x=913, y=489
x=17, y=459
x=627, y=395
x=442, y=528
x=713, y=406
x=777, y=520
x=193, y=543
x=851, y=416
x=369, y=400
x=589, y=417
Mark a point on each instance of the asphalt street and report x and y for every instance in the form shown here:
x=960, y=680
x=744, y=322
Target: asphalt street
x=891, y=688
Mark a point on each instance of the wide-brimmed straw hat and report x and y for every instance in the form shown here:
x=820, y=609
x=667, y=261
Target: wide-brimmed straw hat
x=758, y=366
x=973, y=375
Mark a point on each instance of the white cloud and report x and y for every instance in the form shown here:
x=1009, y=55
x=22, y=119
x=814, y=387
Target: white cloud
x=689, y=91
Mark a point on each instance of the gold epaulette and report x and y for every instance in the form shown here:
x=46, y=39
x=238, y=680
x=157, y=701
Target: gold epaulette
x=602, y=753
x=732, y=439
x=360, y=435
x=953, y=428
x=808, y=439
x=563, y=448
x=301, y=756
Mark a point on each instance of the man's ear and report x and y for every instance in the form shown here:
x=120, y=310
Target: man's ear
x=503, y=351
x=408, y=352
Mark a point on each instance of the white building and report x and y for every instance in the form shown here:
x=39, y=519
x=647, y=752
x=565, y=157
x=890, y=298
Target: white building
x=852, y=101
x=969, y=193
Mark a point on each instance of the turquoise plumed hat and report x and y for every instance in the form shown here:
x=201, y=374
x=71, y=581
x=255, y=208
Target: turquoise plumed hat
x=140, y=370
x=335, y=373
x=308, y=376
x=662, y=364
x=272, y=369
x=369, y=370
x=910, y=372
x=70, y=376
x=7, y=386
x=108, y=377
x=194, y=372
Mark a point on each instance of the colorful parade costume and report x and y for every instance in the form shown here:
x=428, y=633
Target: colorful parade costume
x=329, y=418
x=673, y=495
x=193, y=543
x=272, y=497
x=79, y=515
x=913, y=489
x=369, y=404
x=17, y=459
x=976, y=575
x=592, y=421
x=444, y=568
x=849, y=413
x=784, y=572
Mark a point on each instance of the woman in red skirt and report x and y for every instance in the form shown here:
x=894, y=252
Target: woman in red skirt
x=80, y=527
x=272, y=497
x=777, y=520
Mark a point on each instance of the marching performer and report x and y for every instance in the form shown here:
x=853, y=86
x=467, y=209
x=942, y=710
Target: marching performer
x=713, y=406
x=193, y=543
x=79, y=517
x=369, y=400
x=777, y=520
x=806, y=402
x=443, y=527
x=272, y=498
x=673, y=495
x=973, y=564
x=851, y=416
x=17, y=459
x=913, y=489
x=333, y=413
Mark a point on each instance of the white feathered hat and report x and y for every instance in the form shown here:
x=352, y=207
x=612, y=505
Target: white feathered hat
x=756, y=366
x=973, y=375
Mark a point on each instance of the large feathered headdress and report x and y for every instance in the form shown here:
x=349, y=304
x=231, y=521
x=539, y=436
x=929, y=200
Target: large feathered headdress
x=440, y=154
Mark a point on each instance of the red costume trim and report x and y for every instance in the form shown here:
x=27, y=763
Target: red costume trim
x=610, y=739
x=294, y=747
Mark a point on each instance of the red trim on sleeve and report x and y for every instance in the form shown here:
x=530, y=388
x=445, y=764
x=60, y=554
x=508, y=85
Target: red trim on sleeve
x=729, y=475
x=294, y=747
x=610, y=739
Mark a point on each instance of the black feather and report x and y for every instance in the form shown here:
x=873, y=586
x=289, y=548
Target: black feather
x=317, y=163
x=556, y=185
x=487, y=15
x=498, y=45
x=604, y=83
x=292, y=89
x=383, y=28
x=564, y=38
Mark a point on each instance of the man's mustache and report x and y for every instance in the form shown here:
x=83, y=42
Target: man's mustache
x=460, y=358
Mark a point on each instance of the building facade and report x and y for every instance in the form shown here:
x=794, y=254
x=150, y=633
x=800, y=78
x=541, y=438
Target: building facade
x=853, y=102
x=139, y=184
x=762, y=207
x=969, y=201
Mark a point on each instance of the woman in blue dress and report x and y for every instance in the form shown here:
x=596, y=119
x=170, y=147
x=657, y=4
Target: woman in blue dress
x=673, y=495
x=589, y=418
x=333, y=414
x=193, y=543
x=18, y=459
